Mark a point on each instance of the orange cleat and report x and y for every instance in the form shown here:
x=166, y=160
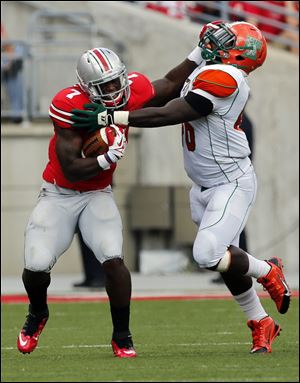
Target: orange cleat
x=275, y=283
x=263, y=334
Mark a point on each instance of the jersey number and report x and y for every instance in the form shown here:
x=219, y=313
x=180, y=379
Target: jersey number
x=132, y=75
x=73, y=93
x=188, y=134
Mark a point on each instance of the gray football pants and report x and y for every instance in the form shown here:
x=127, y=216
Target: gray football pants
x=56, y=217
x=221, y=213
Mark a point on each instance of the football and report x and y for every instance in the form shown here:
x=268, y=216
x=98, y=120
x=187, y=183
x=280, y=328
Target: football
x=98, y=142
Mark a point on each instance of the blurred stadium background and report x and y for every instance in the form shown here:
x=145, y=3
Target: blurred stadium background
x=150, y=185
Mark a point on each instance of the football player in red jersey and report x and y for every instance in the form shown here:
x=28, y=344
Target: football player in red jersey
x=216, y=159
x=76, y=192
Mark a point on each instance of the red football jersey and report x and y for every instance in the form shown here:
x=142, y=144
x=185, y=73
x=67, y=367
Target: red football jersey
x=141, y=91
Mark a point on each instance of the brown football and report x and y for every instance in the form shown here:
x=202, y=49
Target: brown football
x=96, y=143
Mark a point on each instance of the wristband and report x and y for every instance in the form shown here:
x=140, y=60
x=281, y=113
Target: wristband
x=102, y=118
x=121, y=118
x=196, y=56
x=107, y=159
x=103, y=161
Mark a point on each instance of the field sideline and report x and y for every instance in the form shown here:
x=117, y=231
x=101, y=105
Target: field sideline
x=194, y=340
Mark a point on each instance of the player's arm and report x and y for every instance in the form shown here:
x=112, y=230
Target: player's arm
x=68, y=150
x=76, y=168
x=169, y=87
x=215, y=83
x=189, y=108
x=179, y=110
x=174, y=112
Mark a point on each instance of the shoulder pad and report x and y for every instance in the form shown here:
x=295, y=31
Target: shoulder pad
x=216, y=82
x=62, y=104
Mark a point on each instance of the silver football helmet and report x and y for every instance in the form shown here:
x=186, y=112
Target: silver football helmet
x=96, y=69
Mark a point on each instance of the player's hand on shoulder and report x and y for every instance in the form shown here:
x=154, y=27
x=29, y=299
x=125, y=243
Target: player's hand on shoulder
x=93, y=117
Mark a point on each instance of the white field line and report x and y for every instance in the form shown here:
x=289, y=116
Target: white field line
x=139, y=345
x=171, y=345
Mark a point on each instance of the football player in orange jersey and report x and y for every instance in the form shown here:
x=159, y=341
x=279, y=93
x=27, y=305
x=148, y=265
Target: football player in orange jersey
x=76, y=192
x=216, y=158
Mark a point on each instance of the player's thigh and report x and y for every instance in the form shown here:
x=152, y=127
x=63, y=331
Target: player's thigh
x=48, y=234
x=101, y=226
x=197, y=204
x=224, y=218
x=247, y=186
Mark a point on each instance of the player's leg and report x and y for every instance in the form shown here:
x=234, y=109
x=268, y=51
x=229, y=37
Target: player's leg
x=264, y=328
x=224, y=217
x=268, y=273
x=209, y=211
x=101, y=227
x=48, y=234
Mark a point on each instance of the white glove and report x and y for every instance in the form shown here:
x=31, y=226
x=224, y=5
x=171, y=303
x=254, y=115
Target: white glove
x=115, y=151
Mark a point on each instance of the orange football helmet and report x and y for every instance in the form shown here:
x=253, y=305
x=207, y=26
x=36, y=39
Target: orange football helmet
x=239, y=44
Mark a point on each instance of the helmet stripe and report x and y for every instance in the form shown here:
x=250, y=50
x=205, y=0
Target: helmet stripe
x=102, y=60
x=105, y=55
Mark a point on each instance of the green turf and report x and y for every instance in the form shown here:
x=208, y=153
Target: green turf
x=177, y=341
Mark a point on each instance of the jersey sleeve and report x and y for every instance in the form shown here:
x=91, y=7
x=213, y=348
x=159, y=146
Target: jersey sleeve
x=62, y=104
x=141, y=89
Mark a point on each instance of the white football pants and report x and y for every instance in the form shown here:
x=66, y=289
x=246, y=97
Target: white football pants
x=56, y=217
x=221, y=213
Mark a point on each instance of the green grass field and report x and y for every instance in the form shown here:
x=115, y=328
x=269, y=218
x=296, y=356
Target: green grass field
x=177, y=341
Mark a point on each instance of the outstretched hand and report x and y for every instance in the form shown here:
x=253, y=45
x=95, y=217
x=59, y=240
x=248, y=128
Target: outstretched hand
x=93, y=117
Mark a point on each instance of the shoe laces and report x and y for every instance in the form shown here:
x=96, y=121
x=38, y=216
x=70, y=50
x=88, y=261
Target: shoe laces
x=273, y=286
x=258, y=334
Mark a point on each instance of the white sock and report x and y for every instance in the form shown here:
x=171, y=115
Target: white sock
x=250, y=304
x=257, y=268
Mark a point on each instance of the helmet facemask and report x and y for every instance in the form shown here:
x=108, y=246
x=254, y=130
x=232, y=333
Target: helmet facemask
x=216, y=41
x=111, y=99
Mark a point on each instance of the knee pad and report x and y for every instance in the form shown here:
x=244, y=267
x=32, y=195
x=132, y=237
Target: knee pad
x=205, y=249
x=39, y=260
x=224, y=263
